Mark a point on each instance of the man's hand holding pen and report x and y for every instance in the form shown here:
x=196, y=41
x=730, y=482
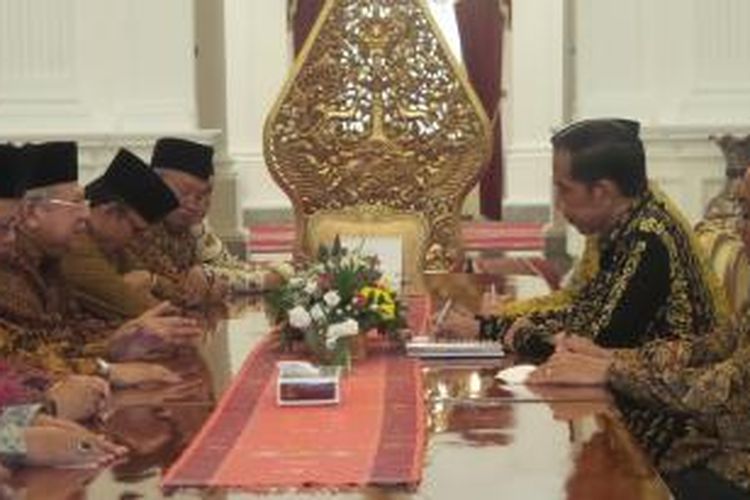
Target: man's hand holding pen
x=454, y=321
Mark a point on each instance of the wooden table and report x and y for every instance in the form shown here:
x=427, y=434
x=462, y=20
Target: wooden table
x=486, y=440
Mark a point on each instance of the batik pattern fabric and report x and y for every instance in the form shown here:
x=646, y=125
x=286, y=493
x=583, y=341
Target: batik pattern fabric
x=644, y=279
x=168, y=254
x=687, y=401
x=40, y=323
x=241, y=276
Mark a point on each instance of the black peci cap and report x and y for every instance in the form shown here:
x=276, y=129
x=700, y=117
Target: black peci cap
x=185, y=156
x=129, y=180
x=11, y=172
x=53, y=163
x=584, y=133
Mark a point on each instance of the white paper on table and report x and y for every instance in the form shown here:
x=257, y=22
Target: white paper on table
x=516, y=375
x=388, y=249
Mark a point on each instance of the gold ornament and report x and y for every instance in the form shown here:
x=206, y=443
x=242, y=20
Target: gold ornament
x=376, y=112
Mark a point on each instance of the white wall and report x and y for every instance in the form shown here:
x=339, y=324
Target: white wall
x=535, y=98
x=672, y=61
x=106, y=73
x=95, y=66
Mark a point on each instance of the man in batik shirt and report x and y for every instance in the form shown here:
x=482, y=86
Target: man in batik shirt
x=687, y=400
x=642, y=275
x=190, y=263
x=28, y=398
x=125, y=200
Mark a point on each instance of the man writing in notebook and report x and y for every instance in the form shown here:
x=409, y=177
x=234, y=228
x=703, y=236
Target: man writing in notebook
x=641, y=276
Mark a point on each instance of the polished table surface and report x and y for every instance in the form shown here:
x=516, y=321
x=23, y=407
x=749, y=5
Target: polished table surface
x=487, y=440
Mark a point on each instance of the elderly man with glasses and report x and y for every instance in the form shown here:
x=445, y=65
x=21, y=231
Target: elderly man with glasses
x=35, y=411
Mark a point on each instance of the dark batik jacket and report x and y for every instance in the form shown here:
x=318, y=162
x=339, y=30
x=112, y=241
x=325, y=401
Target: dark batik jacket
x=688, y=400
x=645, y=279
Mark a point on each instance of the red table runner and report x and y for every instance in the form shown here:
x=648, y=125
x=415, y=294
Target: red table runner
x=374, y=437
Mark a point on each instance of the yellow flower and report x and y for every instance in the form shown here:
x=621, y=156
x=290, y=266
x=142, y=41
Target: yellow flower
x=388, y=311
x=382, y=299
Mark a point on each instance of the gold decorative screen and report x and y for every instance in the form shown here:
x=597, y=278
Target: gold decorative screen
x=376, y=112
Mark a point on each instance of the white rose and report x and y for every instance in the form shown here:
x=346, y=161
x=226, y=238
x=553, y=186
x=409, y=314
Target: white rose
x=311, y=286
x=299, y=318
x=332, y=335
x=317, y=312
x=332, y=298
x=349, y=328
x=296, y=282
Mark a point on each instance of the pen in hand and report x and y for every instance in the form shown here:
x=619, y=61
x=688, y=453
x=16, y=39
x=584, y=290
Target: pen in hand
x=443, y=313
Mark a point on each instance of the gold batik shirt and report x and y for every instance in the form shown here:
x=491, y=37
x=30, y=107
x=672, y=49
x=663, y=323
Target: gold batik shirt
x=644, y=279
x=698, y=394
x=40, y=324
x=96, y=277
x=240, y=276
x=169, y=254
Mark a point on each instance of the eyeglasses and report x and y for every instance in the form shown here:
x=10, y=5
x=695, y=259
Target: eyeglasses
x=200, y=199
x=78, y=204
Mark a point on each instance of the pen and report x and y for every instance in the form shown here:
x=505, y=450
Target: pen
x=443, y=312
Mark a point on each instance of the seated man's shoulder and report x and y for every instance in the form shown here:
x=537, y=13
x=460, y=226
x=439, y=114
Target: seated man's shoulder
x=82, y=244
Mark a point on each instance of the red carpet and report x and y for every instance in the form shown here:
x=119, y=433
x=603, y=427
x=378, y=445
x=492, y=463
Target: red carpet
x=477, y=235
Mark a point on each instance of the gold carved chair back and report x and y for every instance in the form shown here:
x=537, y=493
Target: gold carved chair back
x=377, y=123
x=718, y=232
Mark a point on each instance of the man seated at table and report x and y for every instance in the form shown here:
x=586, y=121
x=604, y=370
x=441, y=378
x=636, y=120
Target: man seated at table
x=642, y=275
x=190, y=263
x=125, y=200
x=28, y=399
x=686, y=399
x=42, y=325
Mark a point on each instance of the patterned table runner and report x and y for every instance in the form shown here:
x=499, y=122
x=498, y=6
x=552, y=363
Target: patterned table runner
x=376, y=436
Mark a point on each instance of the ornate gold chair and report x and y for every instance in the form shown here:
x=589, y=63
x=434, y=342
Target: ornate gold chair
x=377, y=132
x=717, y=232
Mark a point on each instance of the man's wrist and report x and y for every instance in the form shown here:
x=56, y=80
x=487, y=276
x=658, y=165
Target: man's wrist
x=103, y=368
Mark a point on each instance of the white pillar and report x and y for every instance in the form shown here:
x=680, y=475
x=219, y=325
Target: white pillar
x=258, y=60
x=536, y=99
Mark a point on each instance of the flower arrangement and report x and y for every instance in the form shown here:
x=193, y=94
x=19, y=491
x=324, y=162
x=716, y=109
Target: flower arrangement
x=333, y=300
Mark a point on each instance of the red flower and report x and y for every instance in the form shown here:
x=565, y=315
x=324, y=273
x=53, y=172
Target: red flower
x=325, y=280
